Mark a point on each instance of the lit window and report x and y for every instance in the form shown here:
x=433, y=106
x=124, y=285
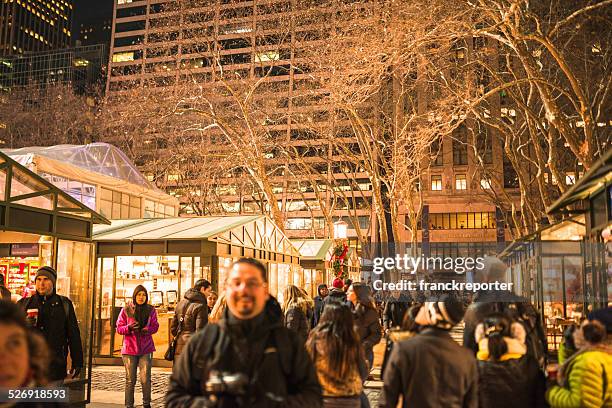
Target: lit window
x=123, y=56
x=486, y=184
x=460, y=182
x=267, y=56
x=436, y=183
x=570, y=178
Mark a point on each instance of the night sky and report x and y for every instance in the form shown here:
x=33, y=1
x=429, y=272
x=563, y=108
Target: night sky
x=87, y=11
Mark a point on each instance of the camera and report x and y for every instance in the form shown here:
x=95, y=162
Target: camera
x=226, y=383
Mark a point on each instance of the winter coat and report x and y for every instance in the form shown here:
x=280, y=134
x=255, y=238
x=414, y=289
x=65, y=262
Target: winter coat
x=335, y=295
x=514, y=381
x=136, y=343
x=582, y=381
x=394, y=312
x=272, y=356
x=430, y=370
x=331, y=384
x=59, y=326
x=367, y=326
x=195, y=311
x=297, y=321
x=319, y=303
x=486, y=303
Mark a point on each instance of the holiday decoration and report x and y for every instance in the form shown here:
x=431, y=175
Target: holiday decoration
x=337, y=260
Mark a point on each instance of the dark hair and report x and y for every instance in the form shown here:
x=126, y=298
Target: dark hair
x=11, y=314
x=362, y=291
x=497, y=326
x=253, y=262
x=594, y=332
x=137, y=290
x=342, y=347
x=202, y=283
x=348, y=282
x=321, y=286
x=408, y=322
x=1, y=279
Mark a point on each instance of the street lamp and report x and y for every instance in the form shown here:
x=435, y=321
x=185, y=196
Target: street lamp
x=340, y=230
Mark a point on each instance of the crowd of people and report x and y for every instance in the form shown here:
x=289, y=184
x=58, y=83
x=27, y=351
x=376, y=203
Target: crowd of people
x=242, y=348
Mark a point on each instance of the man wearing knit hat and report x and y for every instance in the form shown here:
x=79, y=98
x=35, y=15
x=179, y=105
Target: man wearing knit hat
x=431, y=370
x=55, y=317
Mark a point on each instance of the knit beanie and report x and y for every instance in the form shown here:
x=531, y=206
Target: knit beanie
x=604, y=316
x=444, y=314
x=337, y=283
x=48, y=272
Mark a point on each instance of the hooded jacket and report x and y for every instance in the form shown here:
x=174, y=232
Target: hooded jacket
x=194, y=309
x=513, y=381
x=139, y=342
x=335, y=295
x=274, y=360
x=430, y=370
x=60, y=330
x=319, y=303
x=586, y=380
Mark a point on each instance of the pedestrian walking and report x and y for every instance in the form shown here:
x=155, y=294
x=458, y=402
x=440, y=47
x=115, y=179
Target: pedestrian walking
x=367, y=323
x=23, y=353
x=517, y=308
x=295, y=309
x=190, y=315
x=248, y=358
x=336, y=294
x=5, y=294
x=430, y=370
x=395, y=308
x=508, y=376
x=211, y=300
x=137, y=323
x=584, y=379
x=309, y=306
x=319, y=302
x=338, y=357
x=408, y=329
x=54, y=317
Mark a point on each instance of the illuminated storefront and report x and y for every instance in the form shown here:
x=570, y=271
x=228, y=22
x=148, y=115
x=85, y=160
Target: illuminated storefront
x=315, y=259
x=42, y=225
x=167, y=256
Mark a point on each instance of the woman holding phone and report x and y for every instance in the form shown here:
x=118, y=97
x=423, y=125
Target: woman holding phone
x=137, y=322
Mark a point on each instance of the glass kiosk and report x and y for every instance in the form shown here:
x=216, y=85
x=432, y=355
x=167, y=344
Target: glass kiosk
x=42, y=225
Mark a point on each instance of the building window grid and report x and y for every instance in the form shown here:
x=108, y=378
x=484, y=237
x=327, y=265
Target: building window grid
x=460, y=182
x=436, y=183
x=467, y=220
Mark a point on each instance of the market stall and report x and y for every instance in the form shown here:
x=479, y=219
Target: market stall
x=42, y=225
x=168, y=255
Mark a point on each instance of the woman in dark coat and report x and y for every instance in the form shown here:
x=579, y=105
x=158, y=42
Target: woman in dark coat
x=295, y=311
x=367, y=323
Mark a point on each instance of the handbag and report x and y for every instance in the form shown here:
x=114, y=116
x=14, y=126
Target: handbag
x=169, y=356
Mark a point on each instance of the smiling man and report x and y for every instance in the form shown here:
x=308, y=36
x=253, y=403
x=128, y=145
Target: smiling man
x=248, y=359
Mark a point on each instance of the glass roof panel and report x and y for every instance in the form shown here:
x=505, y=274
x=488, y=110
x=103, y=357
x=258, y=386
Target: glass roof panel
x=23, y=183
x=101, y=158
x=43, y=201
x=63, y=202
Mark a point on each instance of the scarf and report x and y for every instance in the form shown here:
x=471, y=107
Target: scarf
x=142, y=313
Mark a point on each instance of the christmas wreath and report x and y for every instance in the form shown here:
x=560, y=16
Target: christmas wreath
x=337, y=260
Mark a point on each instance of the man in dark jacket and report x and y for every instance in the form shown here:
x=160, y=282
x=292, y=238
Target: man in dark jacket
x=336, y=294
x=193, y=310
x=248, y=359
x=55, y=317
x=430, y=370
x=395, y=309
x=5, y=294
x=319, y=303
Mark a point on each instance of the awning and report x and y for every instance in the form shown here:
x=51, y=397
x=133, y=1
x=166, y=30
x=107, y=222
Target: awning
x=598, y=176
x=314, y=249
x=250, y=231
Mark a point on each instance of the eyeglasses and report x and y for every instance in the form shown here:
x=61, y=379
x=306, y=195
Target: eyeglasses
x=250, y=284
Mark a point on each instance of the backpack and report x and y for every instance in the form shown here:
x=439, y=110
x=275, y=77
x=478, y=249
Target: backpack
x=527, y=315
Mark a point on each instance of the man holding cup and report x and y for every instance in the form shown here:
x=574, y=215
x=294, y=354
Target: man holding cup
x=55, y=317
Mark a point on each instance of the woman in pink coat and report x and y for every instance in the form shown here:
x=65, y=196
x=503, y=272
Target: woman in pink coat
x=137, y=323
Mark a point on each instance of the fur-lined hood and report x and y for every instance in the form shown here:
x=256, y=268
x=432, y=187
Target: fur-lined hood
x=516, y=343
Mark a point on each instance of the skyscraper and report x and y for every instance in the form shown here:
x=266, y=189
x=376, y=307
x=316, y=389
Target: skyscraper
x=34, y=25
